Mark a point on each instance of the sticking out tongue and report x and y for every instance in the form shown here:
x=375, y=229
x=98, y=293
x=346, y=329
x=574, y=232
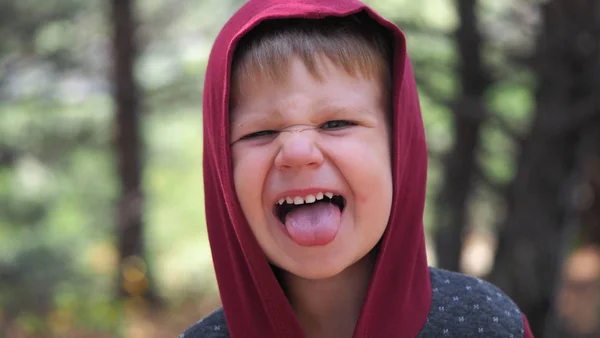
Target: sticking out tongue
x=314, y=224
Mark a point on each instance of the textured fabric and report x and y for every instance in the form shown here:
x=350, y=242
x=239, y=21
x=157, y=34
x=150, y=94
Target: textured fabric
x=254, y=303
x=212, y=326
x=462, y=306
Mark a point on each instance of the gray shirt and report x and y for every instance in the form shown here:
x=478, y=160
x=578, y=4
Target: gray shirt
x=461, y=306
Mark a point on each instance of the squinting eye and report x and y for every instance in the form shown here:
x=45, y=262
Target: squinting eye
x=258, y=134
x=337, y=124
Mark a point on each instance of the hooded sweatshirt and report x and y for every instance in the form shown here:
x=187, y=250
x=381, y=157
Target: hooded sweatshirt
x=405, y=298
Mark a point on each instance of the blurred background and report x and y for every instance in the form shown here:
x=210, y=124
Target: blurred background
x=102, y=230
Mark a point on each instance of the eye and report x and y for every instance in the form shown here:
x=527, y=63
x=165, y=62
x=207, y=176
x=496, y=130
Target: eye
x=258, y=134
x=337, y=124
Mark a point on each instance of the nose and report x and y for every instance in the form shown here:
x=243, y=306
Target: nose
x=298, y=150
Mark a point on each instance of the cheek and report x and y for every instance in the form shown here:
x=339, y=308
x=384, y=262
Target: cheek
x=251, y=167
x=247, y=177
x=362, y=198
x=366, y=166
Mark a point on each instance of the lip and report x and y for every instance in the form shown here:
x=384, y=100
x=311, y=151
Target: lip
x=304, y=192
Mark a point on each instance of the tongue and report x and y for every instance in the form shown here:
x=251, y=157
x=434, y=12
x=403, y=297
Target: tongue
x=315, y=224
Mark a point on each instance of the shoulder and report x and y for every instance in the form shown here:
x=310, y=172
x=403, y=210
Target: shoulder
x=465, y=306
x=211, y=326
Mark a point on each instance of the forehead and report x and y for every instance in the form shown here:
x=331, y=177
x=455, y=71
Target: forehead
x=301, y=91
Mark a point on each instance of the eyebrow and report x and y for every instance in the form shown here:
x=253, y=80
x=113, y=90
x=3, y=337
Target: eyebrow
x=253, y=118
x=330, y=110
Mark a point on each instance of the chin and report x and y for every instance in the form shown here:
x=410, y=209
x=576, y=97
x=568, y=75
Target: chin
x=320, y=273
x=319, y=268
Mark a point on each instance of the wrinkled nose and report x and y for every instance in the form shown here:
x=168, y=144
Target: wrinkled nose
x=298, y=150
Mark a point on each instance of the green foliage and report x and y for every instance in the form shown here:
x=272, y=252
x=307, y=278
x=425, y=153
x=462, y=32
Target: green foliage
x=58, y=191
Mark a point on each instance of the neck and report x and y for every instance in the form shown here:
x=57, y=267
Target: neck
x=330, y=307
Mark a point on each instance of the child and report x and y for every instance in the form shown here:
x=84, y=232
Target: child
x=315, y=167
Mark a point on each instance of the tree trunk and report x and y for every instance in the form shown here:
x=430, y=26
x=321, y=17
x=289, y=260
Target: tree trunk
x=575, y=311
x=451, y=214
x=133, y=276
x=589, y=194
x=532, y=238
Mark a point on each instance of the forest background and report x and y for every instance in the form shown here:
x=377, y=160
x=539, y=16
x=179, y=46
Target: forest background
x=102, y=230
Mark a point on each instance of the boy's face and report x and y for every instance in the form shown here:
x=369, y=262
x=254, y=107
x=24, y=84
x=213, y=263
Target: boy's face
x=304, y=137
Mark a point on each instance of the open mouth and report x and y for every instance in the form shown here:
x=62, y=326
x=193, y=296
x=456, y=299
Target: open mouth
x=287, y=204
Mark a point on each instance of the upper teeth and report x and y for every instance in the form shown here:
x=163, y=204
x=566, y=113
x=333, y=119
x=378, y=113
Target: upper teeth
x=306, y=199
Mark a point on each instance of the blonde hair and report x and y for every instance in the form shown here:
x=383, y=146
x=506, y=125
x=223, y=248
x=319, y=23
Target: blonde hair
x=355, y=43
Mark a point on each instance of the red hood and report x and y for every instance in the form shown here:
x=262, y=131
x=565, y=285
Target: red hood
x=399, y=297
